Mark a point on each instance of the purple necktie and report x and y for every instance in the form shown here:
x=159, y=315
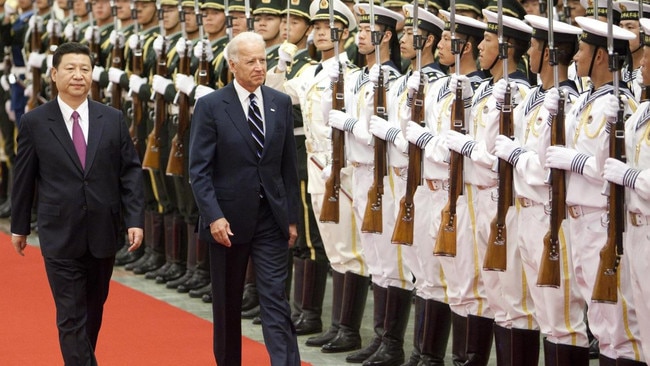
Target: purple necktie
x=78, y=139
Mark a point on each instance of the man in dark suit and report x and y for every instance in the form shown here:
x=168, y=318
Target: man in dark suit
x=244, y=176
x=76, y=156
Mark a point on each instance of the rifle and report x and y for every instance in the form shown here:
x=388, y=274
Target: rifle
x=446, y=240
x=372, y=218
x=151, y=158
x=118, y=59
x=54, y=43
x=95, y=91
x=645, y=92
x=606, y=285
x=176, y=162
x=496, y=254
x=330, y=207
x=404, y=225
x=137, y=68
x=549, y=269
x=35, y=42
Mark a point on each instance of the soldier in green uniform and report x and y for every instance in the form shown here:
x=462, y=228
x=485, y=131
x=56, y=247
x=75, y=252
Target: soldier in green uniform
x=97, y=36
x=268, y=18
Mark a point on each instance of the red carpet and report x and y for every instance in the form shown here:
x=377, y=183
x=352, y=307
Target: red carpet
x=137, y=329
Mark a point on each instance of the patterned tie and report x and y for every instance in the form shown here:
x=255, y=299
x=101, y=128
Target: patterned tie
x=78, y=139
x=256, y=125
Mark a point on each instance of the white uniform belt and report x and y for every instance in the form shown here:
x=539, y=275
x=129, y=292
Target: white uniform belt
x=437, y=184
x=527, y=202
x=315, y=146
x=639, y=219
x=578, y=210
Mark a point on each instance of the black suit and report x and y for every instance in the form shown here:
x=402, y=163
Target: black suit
x=79, y=212
x=228, y=182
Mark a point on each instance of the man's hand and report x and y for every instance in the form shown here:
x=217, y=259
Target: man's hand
x=135, y=238
x=19, y=242
x=293, y=234
x=220, y=231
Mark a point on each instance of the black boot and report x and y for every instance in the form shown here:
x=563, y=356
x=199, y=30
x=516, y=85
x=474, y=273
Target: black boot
x=459, y=339
x=201, y=271
x=199, y=292
x=503, y=345
x=435, y=335
x=418, y=330
x=249, y=298
x=564, y=354
x=299, y=275
x=479, y=340
x=156, y=257
x=628, y=362
x=355, y=292
x=606, y=361
x=398, y=309
x=338, y=280
x=313, y=294
x=148, y=236
x=525, y=347
x=178, y=256
x=379, y=295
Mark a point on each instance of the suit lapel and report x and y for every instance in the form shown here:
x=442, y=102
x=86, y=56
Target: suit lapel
x=95, y=130
x=270, y=117
x=60, y=131
x=235, y=111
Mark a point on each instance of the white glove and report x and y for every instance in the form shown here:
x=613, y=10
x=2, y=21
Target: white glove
x=618, y=172
x=499, y=90
x=9, y=10
x=341, y=121
x=160, y=83
x=610, y=107
x=114, y=75
x=89, y=32
x=36, y=59
x=198, y=50
x=29, y=91
x=418, y=135
x=116, y=38
x=413, y=83
x=136, y=82
x=4, y=83
x=97, y=73
x=158, y=45
x=560, y=157
x=184, y=83
x=35, y=20
x=201, y=91
x=53, y=26
x=381, y=128
x=69, y=31
x=373, y=74
x=507, y=149
x=468, y=92
x=133, y=41
x=181, y=46
x=551, y=101
x=286, y=51
x=459, y=142
x=326, y=172
x=333, y=72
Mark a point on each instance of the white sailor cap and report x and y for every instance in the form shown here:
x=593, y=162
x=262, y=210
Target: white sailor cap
x=512, y=27
x=464, y=24
x=562, y=32
x=594, y=32
x=383, y=16
x=602, y=9
x=645, y=26
x=630, y=10
x=426, y=20
x=319, y=10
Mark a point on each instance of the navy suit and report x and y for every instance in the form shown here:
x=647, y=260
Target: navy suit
x=259, y=198
x=79, y=212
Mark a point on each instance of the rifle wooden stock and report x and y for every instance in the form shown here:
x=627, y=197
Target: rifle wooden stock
x=404, y=226
x=496, y=254
x=549, y=269
x=36, y=45
x=138, y=69
x=446, y=240
x=54, y=43
x=176, y=163
x=372, y=217
x=152, y=154
x=606, y=285
x=330, y=207
x=95, y=91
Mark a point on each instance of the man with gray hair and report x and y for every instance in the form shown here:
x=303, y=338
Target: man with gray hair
x=244, y=176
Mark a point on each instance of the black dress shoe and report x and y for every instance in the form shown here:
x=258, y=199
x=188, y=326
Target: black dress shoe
x=346, y=340
x=175, y=271
x=184, y=278
x=129, y=257
x=251, y=313
x=151, y=275
x=155, y=261
x=138, y=262
x=308, y=324
x=199, y=279
x=320, y=340
x=199, y=292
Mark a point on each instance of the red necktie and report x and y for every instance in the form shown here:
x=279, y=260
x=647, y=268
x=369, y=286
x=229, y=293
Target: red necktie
x=78, y=139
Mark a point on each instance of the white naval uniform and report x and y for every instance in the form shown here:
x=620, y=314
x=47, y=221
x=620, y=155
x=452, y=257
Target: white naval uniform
x=558, y=311
x=614, y=325
x=429, y=278
x=479, y=209
x=384, y=259
x=637, y=233
x=342, y=247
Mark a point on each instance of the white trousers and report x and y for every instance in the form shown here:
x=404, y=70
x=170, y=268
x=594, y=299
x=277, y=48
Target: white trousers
x=637, y=250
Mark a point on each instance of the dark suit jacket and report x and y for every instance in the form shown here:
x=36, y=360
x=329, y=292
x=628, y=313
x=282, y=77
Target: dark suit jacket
x=77, y=209
x=225, y=174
